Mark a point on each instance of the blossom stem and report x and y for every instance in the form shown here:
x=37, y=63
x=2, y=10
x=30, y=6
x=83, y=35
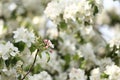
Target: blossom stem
x=31, y=65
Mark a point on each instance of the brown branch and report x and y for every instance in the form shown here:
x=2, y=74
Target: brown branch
x=31, y=66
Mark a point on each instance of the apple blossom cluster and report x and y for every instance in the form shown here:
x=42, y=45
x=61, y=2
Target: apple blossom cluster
x=77, y=74
x=80, y=10
x=22, y=34
x=41, y=76
x=54, y=64
x=48, y=43
x=15, y=54
x=9, y=74
x=112, y=72
x=7, y=50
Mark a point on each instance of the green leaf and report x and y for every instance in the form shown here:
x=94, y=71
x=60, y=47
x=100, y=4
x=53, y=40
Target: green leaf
x=37, y=69
x=76, y=57
x=91, y=2
x=103, y=75
x=13, y=16
x=67, y=58
x=95, y=10
x=48, y=56
x=12, y=61
x=63, y=25
x=1, y=63
x=82, y=63
x=20, y=45
x=40, y=55
x=32, y=48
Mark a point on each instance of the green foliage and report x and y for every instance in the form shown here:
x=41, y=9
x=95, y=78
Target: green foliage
x=76, y=57
x=1, y=63
x=94, y=6
x=95, y=10
x=115, y=19
x=32, y=48
x=62, y=25
x=11, y=61
x=37, y=68
x=103, y=75
x=40, y=54
x=48, y=56
x=67, y=59
x=20, y=45
x=82, y=63
x=39, y=44
x=80, y=38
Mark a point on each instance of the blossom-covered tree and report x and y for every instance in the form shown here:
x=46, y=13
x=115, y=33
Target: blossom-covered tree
x=59, y=40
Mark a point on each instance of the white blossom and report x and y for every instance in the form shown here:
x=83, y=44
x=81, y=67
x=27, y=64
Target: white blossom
x=53, y=10
x=22, y=34
x=70, y=9
x=7, y=50
x=12, y=6
x=77, y=74
x=9, y=74
x=68, y=44
x=52, y=31
x=95, y=74
x=88, y=52
x=113, y=71
x=54, y=64
x=104, y=62
x=41, y=76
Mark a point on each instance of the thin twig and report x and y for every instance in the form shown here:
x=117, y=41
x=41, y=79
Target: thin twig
x=31, y=65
